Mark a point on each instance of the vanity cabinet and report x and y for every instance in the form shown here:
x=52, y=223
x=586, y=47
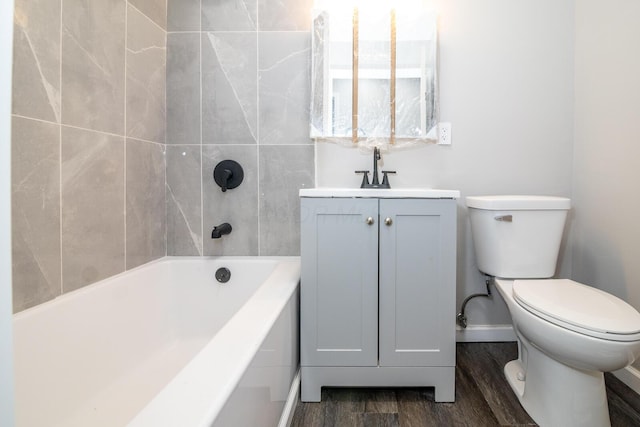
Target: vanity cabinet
x=378, y=293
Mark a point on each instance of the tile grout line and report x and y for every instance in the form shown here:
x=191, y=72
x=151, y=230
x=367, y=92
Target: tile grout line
x=60, y=150
x=90, y=130
x=126, y=44
x=145, y=141
x=225, y=144
x=235, y=31
x=258, y=150
x=201, y=177
x=164, y=149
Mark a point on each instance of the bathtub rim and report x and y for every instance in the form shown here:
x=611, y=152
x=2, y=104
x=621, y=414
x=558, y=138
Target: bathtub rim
x=108, y=280
x=202, y=387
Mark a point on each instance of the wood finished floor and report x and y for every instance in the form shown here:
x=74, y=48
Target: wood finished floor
x=483, y=398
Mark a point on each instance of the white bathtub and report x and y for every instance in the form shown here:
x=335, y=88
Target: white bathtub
x=164, y=344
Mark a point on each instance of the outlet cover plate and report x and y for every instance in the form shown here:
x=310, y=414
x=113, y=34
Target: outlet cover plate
x=444, y=133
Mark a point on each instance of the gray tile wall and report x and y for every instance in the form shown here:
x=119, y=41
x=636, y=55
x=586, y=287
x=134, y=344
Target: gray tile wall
x=88, y=153
x=108, y=174
x=237, y=88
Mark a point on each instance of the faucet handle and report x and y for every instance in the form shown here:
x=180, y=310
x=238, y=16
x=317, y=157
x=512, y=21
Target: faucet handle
x=228, y=174
x=365, y=178
x=385, y=179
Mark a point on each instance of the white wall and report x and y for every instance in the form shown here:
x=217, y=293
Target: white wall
x=506, y=85
x=606, y=232
x=6, y=348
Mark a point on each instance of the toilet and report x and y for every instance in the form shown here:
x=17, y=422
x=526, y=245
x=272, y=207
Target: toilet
x=568, y=333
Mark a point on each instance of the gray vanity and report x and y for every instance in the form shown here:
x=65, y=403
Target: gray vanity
x=378, y=289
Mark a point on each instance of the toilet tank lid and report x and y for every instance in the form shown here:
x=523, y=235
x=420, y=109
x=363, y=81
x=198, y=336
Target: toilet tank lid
x=516, y=202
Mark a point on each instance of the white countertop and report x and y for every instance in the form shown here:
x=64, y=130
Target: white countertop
x=384, y=193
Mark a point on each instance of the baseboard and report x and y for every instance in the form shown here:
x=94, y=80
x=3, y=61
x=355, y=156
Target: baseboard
x=291, y=403
x=630, y=376
x=485, y=333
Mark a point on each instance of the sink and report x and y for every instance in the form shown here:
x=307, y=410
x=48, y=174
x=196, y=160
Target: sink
x=393, y=193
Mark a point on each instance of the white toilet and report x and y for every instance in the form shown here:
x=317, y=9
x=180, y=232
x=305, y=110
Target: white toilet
x=568, y=333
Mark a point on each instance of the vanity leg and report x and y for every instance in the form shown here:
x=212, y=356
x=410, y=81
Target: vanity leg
x=446, y=387
x=310, y=390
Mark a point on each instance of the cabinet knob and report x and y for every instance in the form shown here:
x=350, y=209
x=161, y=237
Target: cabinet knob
x=369, y=220
x=388, y=221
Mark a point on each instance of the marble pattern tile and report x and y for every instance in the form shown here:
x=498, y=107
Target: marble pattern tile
x=229, y=15
x=92, y=184
x=35, y=197
x=36, y=60
x=184, y=200
x=238, y=207
x=284, y=15
x=145, y=194
x=283, y=171
x=229, y=88
x=156, y=10
x=146, y=76
x=284, y=64
x=183, y=88
x=183, y=15
x=93, y=59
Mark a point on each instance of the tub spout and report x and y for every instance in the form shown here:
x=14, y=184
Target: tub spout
x=220, y=230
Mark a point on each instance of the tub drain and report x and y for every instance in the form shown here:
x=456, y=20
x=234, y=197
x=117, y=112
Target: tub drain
x=223, y=275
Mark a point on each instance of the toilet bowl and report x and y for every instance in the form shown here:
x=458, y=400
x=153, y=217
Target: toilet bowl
x=568, y=333
x=558, y=376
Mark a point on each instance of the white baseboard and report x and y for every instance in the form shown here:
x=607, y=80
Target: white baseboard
x=291, y=403
x=485, y=333
x=630, y=376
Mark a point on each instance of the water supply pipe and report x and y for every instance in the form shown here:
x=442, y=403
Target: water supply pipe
x=461, y=319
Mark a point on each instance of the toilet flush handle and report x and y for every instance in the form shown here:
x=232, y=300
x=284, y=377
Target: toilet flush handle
x=505, y=218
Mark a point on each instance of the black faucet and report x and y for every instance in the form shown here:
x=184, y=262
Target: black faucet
x=375, y=183
x=220, y=230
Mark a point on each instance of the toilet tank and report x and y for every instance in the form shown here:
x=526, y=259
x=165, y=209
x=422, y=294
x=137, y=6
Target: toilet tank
x=517, y=236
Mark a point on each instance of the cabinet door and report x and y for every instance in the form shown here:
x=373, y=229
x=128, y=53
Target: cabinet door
x=417, y=282
x=339, y=282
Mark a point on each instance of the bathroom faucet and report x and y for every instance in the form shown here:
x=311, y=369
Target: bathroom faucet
x=375, y=183
x=220, y=230
x=376, y=157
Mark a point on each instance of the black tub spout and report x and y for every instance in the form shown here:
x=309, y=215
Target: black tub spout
x=221, y=230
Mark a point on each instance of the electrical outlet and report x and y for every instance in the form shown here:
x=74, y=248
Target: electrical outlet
x=444, y=133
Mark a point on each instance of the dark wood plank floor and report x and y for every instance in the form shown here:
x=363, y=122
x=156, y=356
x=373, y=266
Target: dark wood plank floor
x=483, y=398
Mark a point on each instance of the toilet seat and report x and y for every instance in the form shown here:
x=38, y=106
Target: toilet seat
x=579, y=308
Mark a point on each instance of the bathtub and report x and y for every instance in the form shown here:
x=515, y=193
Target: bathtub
x=164, y=344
